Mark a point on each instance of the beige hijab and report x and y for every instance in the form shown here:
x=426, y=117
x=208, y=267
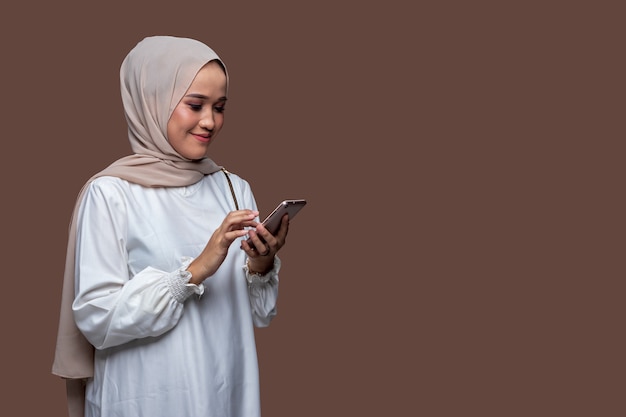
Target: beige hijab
x=154, y=77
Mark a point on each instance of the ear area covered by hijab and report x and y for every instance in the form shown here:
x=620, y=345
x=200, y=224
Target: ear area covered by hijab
x=154, y=76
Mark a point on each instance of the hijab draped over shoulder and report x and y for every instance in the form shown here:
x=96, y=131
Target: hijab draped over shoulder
x=154, y=76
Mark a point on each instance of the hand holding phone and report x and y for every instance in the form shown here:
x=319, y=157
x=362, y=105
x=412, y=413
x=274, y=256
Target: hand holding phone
x=289, y=207
x=272, y=221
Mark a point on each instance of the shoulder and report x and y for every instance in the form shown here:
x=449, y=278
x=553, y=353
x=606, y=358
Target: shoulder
x=108, y=185
x=230, y=183
x=223, y=177
x=110, y=191
x=103, y=197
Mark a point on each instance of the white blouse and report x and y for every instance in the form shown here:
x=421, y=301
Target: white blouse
x=166, y=348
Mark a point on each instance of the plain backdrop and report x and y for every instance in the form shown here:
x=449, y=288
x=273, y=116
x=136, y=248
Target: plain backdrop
x=462, y=250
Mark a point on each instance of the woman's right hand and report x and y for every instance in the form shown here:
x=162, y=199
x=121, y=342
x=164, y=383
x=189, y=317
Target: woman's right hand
x=215, y=251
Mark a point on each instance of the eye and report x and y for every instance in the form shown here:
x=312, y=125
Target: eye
x=195, y=107
x=220, y=109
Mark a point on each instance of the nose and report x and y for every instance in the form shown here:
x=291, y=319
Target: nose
x=207, y=122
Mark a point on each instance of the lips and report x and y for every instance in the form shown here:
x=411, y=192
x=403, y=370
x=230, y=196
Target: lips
x=202, y=138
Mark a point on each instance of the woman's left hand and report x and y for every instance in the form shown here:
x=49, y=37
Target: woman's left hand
x=264, y=246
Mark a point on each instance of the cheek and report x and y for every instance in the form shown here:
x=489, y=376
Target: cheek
x=177, y=122
x=219, y=121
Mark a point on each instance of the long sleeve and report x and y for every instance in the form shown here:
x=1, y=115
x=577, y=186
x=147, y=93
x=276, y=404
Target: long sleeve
x=263, y=294
x=150, y=304
x=111, y=307
x=262, y=291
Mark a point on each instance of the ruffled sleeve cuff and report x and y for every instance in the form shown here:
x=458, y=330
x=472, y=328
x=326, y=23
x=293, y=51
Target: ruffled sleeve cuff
x=258, y=280
x=178, y=283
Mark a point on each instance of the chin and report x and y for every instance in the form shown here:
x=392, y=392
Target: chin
x=195, y=156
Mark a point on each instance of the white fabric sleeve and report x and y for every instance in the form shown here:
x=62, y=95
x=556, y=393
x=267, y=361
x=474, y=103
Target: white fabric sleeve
x=262, y=290
x=263, y=294
x=111, y=307
x=150, y=304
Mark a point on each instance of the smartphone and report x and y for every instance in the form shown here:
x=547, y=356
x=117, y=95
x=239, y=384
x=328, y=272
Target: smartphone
x=289, y=207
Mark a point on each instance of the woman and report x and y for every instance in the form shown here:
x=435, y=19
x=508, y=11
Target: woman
x=162, y=290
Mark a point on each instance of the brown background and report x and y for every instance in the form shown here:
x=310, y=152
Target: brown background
x=462, y=250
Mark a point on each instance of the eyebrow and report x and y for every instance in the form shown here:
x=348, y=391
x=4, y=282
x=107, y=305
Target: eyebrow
x=202, y=96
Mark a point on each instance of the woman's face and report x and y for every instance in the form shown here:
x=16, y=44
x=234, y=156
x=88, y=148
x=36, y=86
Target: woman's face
x=199, y=116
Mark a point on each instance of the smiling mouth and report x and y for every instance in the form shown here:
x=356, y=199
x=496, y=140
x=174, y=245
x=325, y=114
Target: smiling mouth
x=202, y=138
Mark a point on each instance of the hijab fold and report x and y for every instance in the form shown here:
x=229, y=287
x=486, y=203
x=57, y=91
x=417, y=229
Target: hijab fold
x=154, y=76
